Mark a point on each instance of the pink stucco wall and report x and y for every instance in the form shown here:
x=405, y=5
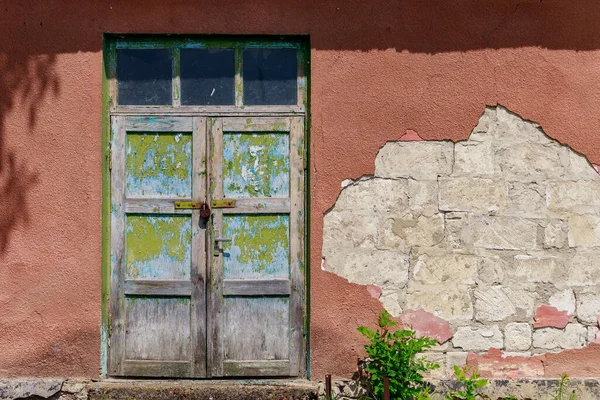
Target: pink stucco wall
x=377, y=70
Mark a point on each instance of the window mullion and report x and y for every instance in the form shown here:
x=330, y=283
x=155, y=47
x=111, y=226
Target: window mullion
x=239, y=82
x=176, y=77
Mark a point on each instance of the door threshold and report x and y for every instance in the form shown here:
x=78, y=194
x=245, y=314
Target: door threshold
x=203, y=389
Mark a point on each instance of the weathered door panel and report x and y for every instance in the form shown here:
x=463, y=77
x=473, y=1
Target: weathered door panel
x=255, y=315
x=157, y=252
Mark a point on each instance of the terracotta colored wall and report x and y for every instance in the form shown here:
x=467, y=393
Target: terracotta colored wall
x=378, y=69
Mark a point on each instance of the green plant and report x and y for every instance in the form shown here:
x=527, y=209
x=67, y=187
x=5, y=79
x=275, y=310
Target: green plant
x=471, y=382
x=563, y=389
x=393, y=354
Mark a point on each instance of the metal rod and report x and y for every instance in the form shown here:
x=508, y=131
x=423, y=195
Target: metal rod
x=386, y=388
x=328, y=386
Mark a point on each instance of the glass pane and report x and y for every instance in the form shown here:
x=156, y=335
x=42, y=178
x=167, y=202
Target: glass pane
x=144, y=77
x=270, y=76
x=207, y=77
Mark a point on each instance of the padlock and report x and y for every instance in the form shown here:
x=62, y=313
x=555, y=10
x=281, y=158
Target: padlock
x=204, y=211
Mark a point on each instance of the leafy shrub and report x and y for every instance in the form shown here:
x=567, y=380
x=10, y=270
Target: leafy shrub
x=471, y=382
x=393, y=354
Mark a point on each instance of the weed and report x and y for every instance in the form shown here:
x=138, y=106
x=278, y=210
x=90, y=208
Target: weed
x=471, y=381
x=563, y=389
x=393, y=354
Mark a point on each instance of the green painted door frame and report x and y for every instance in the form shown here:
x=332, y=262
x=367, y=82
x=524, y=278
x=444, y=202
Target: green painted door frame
x=110, y=44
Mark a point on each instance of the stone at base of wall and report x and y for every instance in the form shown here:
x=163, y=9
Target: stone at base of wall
x=44, y=388
x=73, y=389
x=496, y=389
x=113, y=389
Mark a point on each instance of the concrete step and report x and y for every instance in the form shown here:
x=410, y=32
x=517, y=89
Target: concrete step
x=203, y=390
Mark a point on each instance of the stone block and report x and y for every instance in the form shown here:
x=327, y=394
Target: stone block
x=496, y=303
x=583, y=269
x=530, y=161
x=29, y=388
x=584, y=230
x=445, y=269
x=374, y=196
x=408, y=230
x=563, y=301
x=436, y=358
x=492, y=270
x=542, y=269
x=471, y=194
x=592, y=334
x=517, y=336
x=450, y=302
x=422, y=194
x=510, y=128
x=392, y=301
x=457, y=233
x=478, y=339
x=571, y=196
x=555, y=234
x=474, y=158
x=526, y=200
x=368, y=266
x=503, y=233
x=419, y=160
x=344, y=229
x=588, y=307
x=580, y=167
x=442, y=348
x=458, y=358
x=574, y=336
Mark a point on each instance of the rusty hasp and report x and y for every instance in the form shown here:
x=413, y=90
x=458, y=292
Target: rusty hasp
x=186, y=205
x=223, y=203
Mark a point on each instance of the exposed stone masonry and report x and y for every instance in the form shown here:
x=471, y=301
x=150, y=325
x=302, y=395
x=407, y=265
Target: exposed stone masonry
x=480, y=233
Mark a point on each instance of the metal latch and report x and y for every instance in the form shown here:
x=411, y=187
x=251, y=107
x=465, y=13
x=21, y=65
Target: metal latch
x=223, y=203
x=219, y=246
x=187, y=205
x=194, y=205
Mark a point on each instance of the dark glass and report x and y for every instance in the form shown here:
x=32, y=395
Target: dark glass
x=144, y=77
x=270, y=76
x=207, y=77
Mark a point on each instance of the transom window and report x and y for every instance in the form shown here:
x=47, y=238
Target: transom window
x=209, y=73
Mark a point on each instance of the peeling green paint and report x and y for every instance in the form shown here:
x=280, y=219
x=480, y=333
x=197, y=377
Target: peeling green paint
x=108, y=70
x=158, y=247
x=159, y=164
x=256, y=165
x=260, y=246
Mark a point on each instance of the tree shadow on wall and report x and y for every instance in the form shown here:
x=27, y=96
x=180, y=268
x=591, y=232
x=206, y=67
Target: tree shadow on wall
x=24, y=82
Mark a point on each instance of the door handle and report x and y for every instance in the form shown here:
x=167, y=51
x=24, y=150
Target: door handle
x=218, y=247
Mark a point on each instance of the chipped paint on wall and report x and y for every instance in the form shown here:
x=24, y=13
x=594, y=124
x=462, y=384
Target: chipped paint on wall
x=256, y=165
x=260, y=246
x=478, y=233
x=158, y=247
x=159, y=164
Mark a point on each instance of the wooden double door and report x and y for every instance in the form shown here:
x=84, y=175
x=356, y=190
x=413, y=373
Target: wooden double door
x=207, y=228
